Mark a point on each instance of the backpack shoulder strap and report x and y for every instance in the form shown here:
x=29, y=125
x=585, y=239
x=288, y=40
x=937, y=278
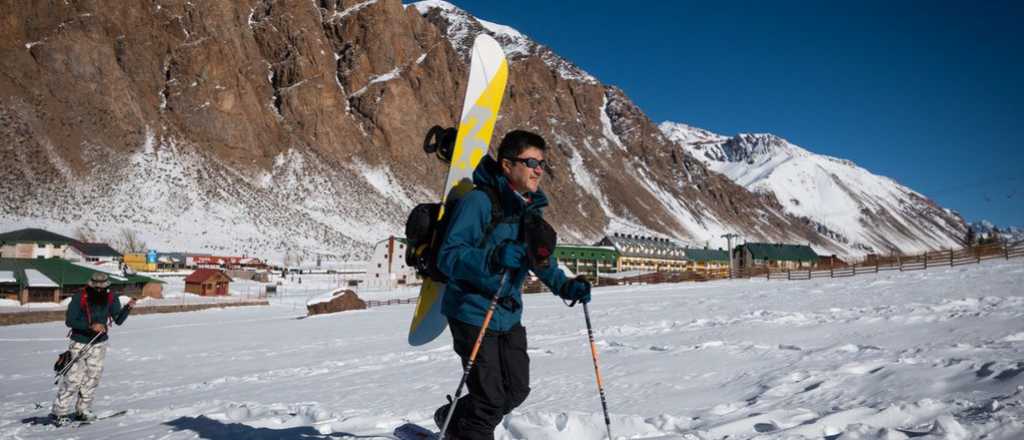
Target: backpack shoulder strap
x=497, y=213
x=83, y=303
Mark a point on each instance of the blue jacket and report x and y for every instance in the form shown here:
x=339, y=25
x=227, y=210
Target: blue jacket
x=466, y=261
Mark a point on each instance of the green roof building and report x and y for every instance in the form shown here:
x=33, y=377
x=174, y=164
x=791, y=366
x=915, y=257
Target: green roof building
x=707, y=256
x=53, y=279
x=587, y=260
x=785, y=256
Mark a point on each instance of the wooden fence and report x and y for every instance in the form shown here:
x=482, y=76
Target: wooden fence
x=390, y=302
x=902, y=263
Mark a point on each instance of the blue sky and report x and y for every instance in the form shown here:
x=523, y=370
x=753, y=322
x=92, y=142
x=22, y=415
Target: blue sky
x=927, y=93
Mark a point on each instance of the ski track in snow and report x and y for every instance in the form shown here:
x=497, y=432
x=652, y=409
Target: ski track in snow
x=929, y=355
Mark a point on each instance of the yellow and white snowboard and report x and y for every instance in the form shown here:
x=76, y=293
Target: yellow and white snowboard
x=488, y=74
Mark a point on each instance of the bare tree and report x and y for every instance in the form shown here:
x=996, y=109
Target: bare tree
x=129, y=242
x=85, y=234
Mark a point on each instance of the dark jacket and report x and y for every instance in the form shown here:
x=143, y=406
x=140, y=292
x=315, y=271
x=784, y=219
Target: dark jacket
x=466, y=254
x=79, y=319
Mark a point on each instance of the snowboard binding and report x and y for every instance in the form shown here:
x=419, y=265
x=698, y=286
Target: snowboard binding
x=441, y=142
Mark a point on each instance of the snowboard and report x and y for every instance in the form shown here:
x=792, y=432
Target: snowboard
x=488, y=74
x=411, y=431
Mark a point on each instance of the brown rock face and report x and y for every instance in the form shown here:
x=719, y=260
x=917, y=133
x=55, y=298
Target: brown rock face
x=347, y=300
x=294, y=127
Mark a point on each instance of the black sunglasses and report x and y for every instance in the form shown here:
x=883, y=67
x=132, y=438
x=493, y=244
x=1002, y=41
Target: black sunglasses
x=529, y=162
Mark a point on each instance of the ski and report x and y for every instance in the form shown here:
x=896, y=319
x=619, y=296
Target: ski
x=488, y=74
x=103, y=417
x=47, y=421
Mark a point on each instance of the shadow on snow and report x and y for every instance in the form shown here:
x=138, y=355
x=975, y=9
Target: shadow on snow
x=207, y=428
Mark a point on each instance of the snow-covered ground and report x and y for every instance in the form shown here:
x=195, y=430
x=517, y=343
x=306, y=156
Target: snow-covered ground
x=293, y=291
x=859, y=358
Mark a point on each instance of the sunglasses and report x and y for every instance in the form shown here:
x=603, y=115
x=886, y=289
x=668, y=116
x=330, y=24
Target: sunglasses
x=529, y=162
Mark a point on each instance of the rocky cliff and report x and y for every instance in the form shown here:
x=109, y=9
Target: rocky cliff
x=294, y=127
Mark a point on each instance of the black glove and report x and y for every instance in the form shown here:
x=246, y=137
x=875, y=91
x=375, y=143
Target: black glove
x=576, y=290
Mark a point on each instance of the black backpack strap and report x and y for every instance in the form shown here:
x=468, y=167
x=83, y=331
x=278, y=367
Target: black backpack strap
x=497, y=212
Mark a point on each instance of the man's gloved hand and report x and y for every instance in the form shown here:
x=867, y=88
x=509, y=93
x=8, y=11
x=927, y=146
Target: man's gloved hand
x=576, y=289
x=509, y=256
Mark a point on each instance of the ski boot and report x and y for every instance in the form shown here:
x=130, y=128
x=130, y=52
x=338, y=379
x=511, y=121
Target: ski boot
x=85, y=416
x=60, y=420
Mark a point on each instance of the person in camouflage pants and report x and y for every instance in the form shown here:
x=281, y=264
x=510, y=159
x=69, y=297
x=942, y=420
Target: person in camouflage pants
x=88, y=315
x=81, y=379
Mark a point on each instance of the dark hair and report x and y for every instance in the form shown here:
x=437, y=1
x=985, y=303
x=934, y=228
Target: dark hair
x=518, y=140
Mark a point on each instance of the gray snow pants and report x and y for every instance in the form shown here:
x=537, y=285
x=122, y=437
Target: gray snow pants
x=82, y=379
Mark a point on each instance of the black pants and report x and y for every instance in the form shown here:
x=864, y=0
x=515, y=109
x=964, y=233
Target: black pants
x=498, y=382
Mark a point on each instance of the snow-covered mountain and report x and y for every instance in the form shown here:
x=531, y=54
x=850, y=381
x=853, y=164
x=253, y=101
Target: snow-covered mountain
x=986, y=229
x=864, y=211
x=277, y=128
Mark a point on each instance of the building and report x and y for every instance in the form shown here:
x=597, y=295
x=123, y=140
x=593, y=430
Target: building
x=208, y=282
x=223, y=262
x=9, y=286
x=33, y=243
x=140, y=262
x=591, y=261
x=646, y=253
x=53, y=279
x=707, y=260
x=92, y=252
x=39, y=288
x=170, y=260
x=775, y=256
x=387, y=269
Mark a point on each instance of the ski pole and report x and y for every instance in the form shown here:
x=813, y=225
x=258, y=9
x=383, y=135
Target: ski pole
x=472, y=354
x=80, y=354
x=597, y=371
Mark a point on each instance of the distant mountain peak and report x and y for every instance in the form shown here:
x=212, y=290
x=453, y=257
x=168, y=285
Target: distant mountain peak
x=462, y=27
x=845, y=201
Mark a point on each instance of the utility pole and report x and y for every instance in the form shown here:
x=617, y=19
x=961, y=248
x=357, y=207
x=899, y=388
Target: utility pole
x=729, y=237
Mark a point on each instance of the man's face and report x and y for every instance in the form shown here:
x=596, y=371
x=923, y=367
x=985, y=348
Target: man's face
x=520, y=174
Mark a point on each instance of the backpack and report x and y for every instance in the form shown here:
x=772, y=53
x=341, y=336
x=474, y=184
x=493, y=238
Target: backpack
x=426, y=233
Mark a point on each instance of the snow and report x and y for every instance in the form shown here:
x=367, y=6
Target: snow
x=352, y=9
x=833, y=192
x=513, y=42
x=986, y=229
x=462, y=26
x=374, y=79
x=7, y=276
x=934, y=352
x=606, y=126
x=36, y=278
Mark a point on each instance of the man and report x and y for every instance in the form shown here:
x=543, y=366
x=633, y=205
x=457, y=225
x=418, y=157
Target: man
x=89, y=313
x=475, y=255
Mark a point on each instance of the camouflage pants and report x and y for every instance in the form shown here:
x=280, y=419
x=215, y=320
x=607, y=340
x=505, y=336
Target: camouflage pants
x=82, y=379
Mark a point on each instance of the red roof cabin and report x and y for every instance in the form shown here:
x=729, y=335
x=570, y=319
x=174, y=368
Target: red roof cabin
x=207, y=282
